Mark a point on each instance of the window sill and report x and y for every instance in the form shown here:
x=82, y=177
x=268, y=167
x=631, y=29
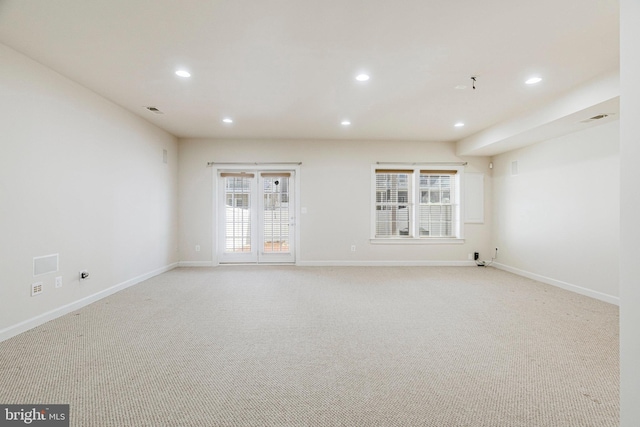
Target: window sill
x=417, y=241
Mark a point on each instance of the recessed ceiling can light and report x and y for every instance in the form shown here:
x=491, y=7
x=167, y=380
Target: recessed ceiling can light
x=362, y=77
x=183, y=73
x=227, y=120
x=459, y=125
x=533, y=80
x=345, y=123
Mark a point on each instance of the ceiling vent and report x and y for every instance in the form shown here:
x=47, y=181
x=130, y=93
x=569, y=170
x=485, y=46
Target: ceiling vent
x=598, y=117
x=154, y=110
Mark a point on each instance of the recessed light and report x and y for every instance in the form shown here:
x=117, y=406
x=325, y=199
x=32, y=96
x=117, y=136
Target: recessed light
x=459, y=125
x=183, y=73
x=227, y=120
x=533, y=80
x=345, y=123
x=362, y=77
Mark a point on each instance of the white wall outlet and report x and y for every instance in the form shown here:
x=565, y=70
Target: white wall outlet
x=59, y=282
x=197, y=248
x=353, y=248
x=84, y=275
x=470, y=256
x=36, y=289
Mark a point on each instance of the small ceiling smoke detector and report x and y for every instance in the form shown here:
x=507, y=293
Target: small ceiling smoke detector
x=154, y=110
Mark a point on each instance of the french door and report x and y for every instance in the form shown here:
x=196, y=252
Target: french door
x=256, y=216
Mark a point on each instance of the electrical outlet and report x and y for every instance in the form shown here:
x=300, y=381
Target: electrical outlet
x=470, y=256
x=36, y=289
x=197, y=248
x=59, y=282
x=353, y=248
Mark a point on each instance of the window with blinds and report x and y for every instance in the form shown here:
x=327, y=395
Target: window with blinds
x=393, y=202
x=437, y=205
x=416, y=204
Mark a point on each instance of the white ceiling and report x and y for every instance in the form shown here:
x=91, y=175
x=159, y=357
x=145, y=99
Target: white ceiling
x=286, y=68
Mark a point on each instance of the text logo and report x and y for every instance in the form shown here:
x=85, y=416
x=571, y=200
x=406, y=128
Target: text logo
x=34, y=415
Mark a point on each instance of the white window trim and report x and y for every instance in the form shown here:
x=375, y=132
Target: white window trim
x=417, y=240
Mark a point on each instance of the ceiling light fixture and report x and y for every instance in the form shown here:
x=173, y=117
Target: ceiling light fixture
x=227, y=120
x=459, y=125
x=533, y=80
x=345, y=123
x=183, y=73
x=362, y=77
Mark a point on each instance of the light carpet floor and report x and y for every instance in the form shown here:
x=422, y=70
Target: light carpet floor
x=326, y=346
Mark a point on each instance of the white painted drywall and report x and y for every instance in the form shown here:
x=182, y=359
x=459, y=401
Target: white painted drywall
x=558, y=218
x=600, y=95
x=630, y=213
x=335, y=181
x=80, y=177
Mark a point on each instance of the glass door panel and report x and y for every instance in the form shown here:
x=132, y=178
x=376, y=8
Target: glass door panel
x=276, y=217
x=238, y=217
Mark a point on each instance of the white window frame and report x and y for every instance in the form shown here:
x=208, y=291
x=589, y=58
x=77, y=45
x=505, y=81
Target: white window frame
x=414, y=238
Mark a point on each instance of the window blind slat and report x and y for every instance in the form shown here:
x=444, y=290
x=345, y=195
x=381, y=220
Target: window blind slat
x=236, y=175
x=438, y=172
x=406, y=171
x=275, y=175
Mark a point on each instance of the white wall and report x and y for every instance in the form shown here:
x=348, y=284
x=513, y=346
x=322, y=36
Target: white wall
x=335, y=190
x=630, y=213
x=557, y=220
x=81, y=177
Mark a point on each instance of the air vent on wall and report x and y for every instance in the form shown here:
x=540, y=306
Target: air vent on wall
x=154, y=110
x=597, y=117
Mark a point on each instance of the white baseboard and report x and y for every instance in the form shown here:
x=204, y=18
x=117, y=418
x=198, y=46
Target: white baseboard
x=560, y=284
x=336, y=263
x=386, y=263
x=195, y=264
x=24, y=326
